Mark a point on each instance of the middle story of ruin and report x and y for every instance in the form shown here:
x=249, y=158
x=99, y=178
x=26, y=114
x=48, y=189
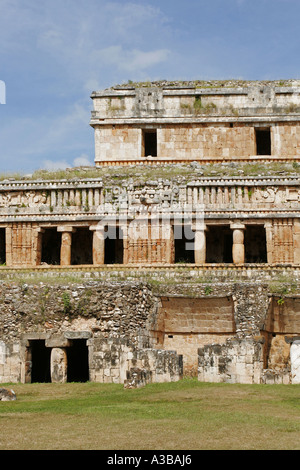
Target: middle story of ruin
x=202, y=221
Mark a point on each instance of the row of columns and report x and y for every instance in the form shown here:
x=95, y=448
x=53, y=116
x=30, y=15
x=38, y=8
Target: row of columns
x=238, y=247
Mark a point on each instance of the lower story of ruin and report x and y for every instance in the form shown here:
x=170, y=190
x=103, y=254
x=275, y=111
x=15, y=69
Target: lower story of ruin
x=131, y=333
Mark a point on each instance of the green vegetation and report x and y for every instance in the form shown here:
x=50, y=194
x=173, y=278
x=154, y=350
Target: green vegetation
x=116, y=107
x=283, y=285
x=230, y=83
x=208, y=290
x=184, y=415
x=292, y=108
x=143, y=172
x=200, y=108
x=66, y=302
x=159, y=281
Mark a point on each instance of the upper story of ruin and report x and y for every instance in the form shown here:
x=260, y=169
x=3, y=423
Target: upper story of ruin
x=164, y=122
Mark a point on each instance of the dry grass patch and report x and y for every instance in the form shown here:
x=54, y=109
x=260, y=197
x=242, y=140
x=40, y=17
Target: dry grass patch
x=185, y=415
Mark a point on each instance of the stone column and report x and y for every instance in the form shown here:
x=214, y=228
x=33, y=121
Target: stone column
x=98, y=244
x=26, y=370
x=238, y=247
x=37, y=246
x=269, y=241
x=58, y=365
x=8, y=246
x=124, y=231
x=200, y=243
x=295, y=362
x=168, y=236
x=157, y=232
x=66, y=245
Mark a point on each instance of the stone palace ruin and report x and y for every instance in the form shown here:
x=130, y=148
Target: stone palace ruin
x=177, y=254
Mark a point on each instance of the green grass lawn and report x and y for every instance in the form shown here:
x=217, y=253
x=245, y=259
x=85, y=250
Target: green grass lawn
x=186, y=415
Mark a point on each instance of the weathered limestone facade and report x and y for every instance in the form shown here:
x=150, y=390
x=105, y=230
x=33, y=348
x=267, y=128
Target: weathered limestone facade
x=70, y=223
x=128, y=332
x=235, y=121
x=183, y=260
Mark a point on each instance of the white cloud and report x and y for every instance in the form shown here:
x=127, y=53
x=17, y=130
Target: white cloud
x=130, y=60
x=55, y=165
x=83, y=160
x=2, y=92
x=137, y=60
x=103, y=41
x=92, y=84
x=127, y=19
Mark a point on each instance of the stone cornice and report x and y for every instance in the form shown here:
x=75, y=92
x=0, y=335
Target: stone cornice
x=272, y=118
x=191, y=90
x=94, y=216
x=150, y=181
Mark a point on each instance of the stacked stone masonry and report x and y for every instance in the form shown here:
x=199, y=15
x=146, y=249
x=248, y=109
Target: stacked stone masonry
x=173, y=123
x=177, y=229
x=127, y=333
x=143, y=221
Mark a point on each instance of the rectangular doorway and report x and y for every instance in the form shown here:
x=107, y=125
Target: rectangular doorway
x=51, y=243
x=39, y=358
x=82, y=246
x=149, y=143
x=219, y=242
x=263, y=141
x=184, y=244
x=78, y=361
x=255, y=244
x=113, y=253
x=2, y=246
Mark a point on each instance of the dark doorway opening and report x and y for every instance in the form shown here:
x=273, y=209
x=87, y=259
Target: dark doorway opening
x=150, y=143
x=184, y=244
x=219, y=240
x=51, y=243
x=2, y=246
x=113, y=246
x=82, y=246
x=40, y=361
x=263, y=141
x=78, y=361
x=255, y=244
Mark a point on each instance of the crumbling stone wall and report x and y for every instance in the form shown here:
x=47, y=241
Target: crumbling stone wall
x=281, y=333
x=118, y=360
x=237, y=361
x=114, y=318
x=240, y=359
x=251, y=307
x=185, y=324
x=50, y=311
x=132, y=338
x=112, y=308
x=263, y=350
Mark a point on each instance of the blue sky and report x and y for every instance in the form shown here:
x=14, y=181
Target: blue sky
x=54, y=54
